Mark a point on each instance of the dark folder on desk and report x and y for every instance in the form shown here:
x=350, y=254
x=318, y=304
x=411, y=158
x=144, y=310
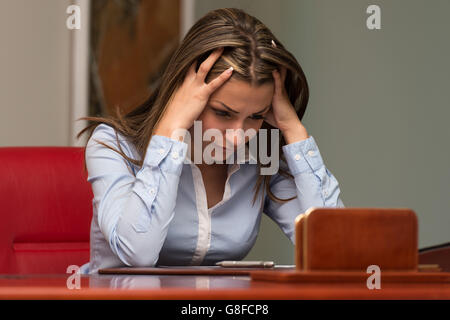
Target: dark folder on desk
x=187, y=270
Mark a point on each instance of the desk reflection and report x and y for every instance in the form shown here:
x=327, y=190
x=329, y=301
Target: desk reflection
x=167, y=281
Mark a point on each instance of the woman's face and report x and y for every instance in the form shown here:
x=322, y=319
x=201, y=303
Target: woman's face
x=236, y=105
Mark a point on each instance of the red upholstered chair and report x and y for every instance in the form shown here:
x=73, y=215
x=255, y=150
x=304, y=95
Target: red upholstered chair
x=46, y=209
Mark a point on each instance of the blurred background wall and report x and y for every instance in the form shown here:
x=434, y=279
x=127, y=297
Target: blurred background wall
x=34, y=73
x=379, y=103
x=379, y=99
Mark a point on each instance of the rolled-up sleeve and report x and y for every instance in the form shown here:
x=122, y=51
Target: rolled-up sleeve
x=313, y=184
x=134, y=210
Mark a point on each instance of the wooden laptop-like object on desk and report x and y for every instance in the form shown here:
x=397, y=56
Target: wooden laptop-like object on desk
x=355, y=238
x=340, y=244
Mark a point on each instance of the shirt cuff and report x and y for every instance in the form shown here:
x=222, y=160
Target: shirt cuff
x=303, y=156
x=167, y=153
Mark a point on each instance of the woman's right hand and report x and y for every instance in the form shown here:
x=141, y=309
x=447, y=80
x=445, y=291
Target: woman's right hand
x=191, y=97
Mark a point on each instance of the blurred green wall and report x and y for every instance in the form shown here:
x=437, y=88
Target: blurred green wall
x=379, y=103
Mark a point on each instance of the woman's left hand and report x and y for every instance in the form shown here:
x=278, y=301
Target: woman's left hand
x=282, y=115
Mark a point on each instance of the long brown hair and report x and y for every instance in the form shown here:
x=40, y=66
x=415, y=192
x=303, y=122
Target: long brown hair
x=248, y=48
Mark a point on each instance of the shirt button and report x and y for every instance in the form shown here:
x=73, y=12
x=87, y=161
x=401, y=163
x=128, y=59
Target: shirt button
x=297, y=157
x=175, y=155
x=161, y=151
x=311, y=153
x=152, y=190
x=325, y=193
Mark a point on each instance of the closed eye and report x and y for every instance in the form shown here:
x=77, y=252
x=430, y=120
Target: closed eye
x=222, y=113
x=258, y=117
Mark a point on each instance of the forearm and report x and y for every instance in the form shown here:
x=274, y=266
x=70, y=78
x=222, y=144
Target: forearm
x=157, y=185
x=143, y=224
x=315, y=184
x=294, y=132
x=134, y=211
x=169, y=129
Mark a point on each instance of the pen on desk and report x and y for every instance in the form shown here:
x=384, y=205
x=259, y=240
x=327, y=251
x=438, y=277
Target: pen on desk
x=246, y=264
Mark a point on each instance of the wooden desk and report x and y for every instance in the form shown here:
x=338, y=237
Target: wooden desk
x=188, y=287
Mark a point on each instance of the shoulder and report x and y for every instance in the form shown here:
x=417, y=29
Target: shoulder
x=107, y=134
x=103, y=132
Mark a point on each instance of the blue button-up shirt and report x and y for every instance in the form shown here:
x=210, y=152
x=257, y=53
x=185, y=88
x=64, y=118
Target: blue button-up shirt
x=157, y=214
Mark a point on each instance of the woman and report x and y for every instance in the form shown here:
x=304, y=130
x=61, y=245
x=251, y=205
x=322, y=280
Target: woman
x=153, y=205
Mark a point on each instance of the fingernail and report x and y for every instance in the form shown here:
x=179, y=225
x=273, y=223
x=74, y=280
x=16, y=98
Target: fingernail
x=229, y=70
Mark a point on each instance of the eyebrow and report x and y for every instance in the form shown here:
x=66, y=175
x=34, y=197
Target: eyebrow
x=223, y=104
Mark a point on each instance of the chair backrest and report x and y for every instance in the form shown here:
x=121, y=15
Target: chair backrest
x=46, y=209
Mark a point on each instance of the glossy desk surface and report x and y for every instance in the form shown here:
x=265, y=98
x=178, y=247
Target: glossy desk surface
x=210, y=287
